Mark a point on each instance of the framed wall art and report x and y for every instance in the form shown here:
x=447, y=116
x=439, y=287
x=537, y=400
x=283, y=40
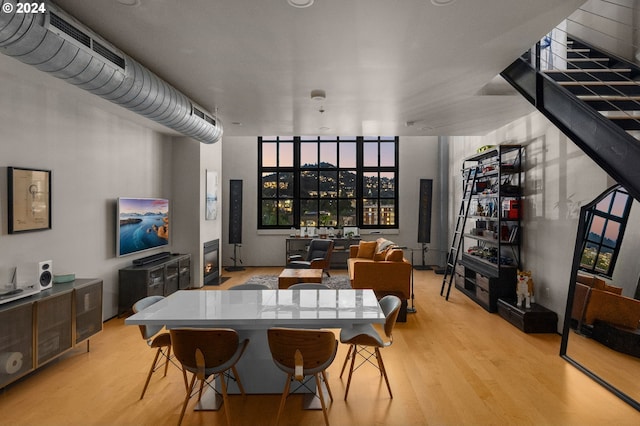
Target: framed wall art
x=211, y=210
x=29, y=199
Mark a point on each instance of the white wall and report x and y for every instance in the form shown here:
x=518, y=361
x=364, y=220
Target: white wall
x=96, y=152
x=560, y=178
x=418, y=160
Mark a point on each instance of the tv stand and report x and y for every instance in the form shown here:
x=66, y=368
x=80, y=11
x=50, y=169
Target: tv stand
x=152, y=258
x=158, y=278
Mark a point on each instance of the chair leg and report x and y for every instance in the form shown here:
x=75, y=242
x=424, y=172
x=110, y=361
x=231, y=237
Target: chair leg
x=225, y=398
x=285, y=394
x=345, y=360
x=320, y=394
x=166, y=361
x=186, y=399
x=353, y=361
x=384, y=371
x=326, y=383
x=235, y=374
x=153, y=367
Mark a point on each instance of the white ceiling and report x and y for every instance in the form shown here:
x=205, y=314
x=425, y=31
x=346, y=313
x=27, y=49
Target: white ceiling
x=382, y=63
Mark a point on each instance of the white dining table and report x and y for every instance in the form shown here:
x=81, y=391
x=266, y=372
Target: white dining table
x=252, y=312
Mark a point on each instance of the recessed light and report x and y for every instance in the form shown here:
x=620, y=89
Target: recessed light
x=300, y=3
x=442, y=2
x=324, y=128
x=236, y=123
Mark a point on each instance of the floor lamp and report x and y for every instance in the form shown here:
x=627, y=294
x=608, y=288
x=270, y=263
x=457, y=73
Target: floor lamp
x=411, y=309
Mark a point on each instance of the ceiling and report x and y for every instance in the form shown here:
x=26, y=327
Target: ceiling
x=387, y=67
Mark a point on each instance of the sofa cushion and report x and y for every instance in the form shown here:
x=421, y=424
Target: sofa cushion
x=367, y=249
x=395, y=255
x=380, y=255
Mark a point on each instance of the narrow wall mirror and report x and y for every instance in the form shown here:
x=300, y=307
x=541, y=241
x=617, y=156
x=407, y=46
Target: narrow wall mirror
x=601, y=334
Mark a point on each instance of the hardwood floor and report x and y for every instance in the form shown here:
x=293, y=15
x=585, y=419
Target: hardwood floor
x=451, y=363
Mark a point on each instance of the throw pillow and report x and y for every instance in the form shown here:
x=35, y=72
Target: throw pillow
x=367, y=249
x=395, y=255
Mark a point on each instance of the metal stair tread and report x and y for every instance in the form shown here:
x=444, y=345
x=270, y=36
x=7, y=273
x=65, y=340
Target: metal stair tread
x=599, y=83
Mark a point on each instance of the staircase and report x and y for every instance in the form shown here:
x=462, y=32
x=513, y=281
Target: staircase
x=594, y=100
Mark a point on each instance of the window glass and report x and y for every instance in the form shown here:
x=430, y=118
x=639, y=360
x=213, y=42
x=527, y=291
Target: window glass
x=387, y=154
x=269, y=154
x=347, y=155
x=606, y=222
x=285, y=187
x=269, y=186
x=328, y=154
x=370, y=154
x=309, y=184
x=286, y=155
x=309, y=154
x=328, y=181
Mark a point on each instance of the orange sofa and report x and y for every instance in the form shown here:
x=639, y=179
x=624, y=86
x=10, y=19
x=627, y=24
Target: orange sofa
x=380, y=266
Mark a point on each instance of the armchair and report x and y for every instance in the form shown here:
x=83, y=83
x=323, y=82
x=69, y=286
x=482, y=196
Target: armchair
x=318, y=256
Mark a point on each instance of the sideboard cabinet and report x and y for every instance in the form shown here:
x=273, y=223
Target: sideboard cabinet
x=41, y=327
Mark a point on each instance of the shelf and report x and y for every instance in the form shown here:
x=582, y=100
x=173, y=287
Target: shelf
x=491, y=240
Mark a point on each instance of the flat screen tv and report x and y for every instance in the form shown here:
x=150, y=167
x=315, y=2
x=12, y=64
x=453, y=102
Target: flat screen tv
x=143, y=224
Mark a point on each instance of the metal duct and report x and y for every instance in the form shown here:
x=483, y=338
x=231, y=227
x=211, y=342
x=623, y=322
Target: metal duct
x=57, y=43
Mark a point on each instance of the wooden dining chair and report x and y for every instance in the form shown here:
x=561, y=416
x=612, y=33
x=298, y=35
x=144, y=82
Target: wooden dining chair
x=207, y=354
x=301, y=353
x=363, y=337
x=155, y=340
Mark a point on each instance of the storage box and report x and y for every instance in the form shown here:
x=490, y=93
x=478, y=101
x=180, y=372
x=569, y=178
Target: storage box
x=511, y=209
x=536, y=319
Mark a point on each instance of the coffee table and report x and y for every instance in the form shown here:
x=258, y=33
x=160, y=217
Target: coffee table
x=289, y=277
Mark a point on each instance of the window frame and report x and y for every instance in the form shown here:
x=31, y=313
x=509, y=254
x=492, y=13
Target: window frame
x=298, y=169
x=602, y=242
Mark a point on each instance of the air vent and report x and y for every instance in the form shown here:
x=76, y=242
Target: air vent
x=209, y=120
x=69, y=29
x=199, y=113
x=108, y=54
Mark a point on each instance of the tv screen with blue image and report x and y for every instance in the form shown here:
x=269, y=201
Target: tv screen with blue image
x=143, y=224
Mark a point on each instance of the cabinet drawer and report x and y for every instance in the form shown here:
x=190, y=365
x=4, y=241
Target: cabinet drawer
x=482, y=294
x=482, y=281
x=459, y=280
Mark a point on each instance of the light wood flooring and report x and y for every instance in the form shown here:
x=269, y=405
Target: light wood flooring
x=452, y=363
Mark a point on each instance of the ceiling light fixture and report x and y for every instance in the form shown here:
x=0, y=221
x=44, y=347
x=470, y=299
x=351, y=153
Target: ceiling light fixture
x=442, y=2
x=318, y=95
x=301, y=4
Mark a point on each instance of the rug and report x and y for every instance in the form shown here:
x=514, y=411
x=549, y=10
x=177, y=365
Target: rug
x=335, y=282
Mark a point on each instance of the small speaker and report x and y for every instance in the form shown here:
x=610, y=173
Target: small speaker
x=45, y=274
x=235, y=211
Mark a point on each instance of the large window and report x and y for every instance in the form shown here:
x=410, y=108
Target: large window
x=333, y=182
x=606, y=222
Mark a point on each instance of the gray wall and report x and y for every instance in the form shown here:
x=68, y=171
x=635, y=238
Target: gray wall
x=418, y=160
x=97, y=152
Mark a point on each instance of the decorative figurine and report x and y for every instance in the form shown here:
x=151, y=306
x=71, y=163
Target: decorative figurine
x=524, y=289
